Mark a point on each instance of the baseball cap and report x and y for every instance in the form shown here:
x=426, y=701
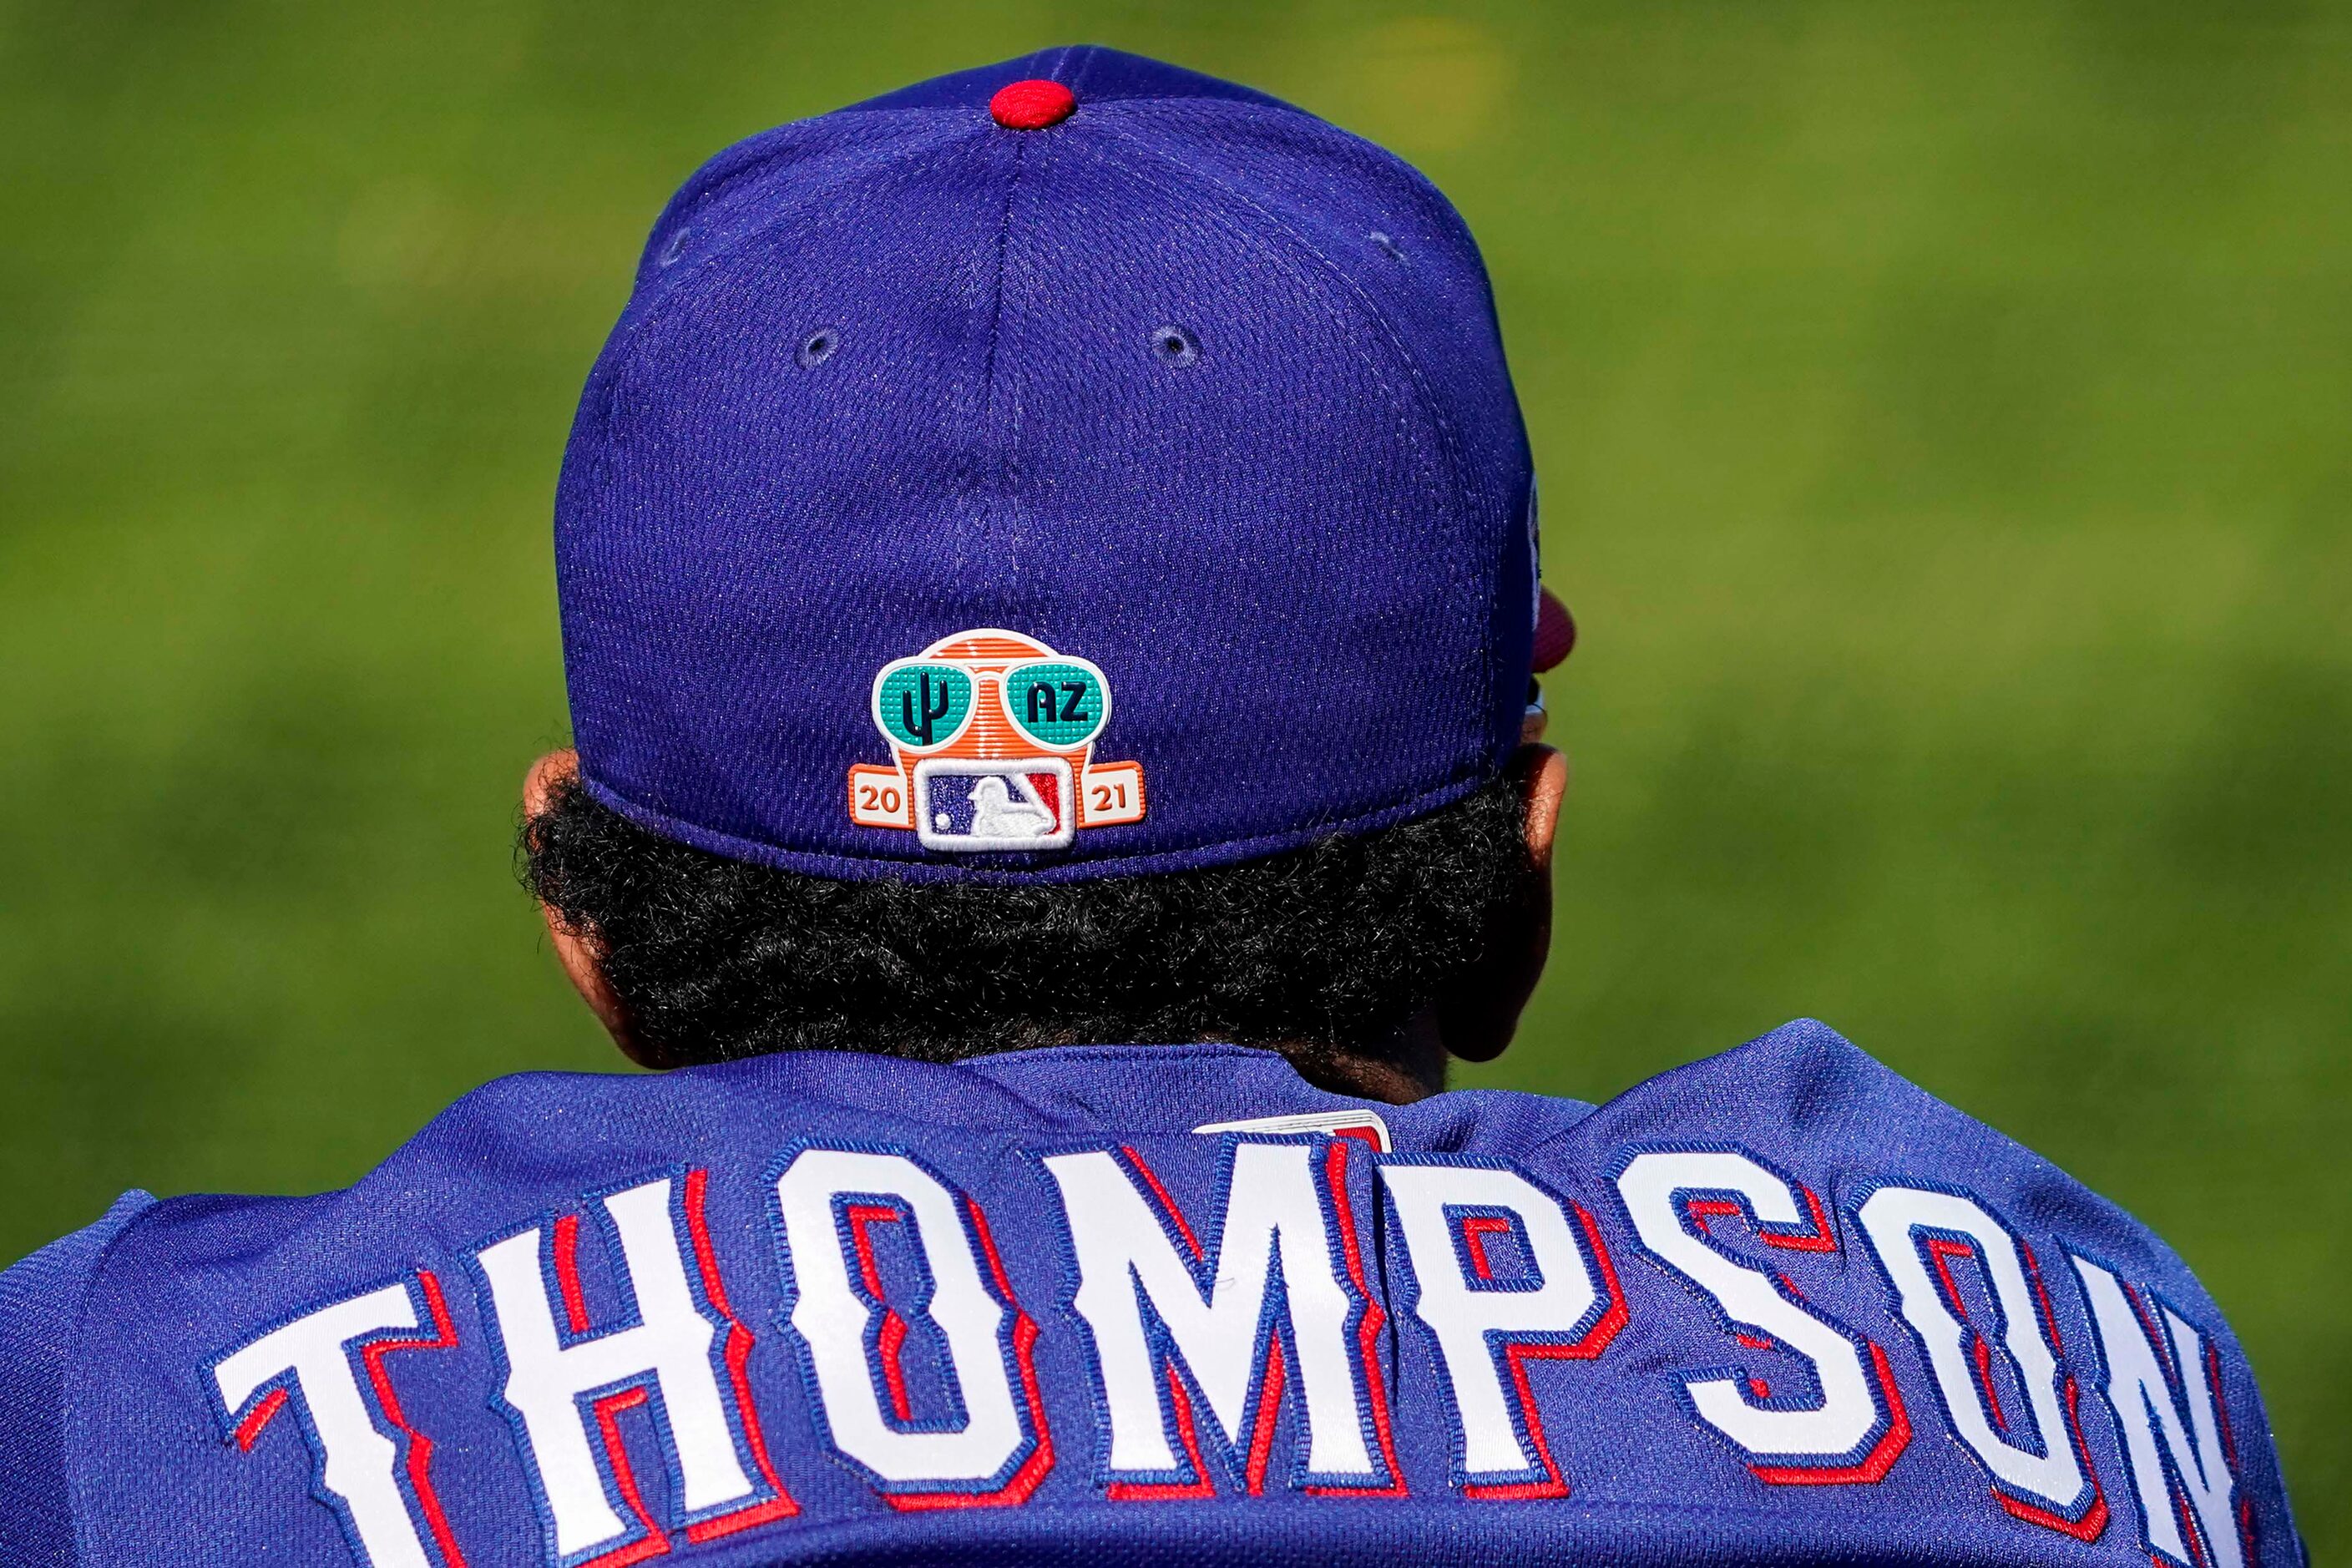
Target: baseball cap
x=1073, y=466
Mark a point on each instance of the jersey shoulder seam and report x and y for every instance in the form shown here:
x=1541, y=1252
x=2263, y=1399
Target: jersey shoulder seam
x=68, y=1406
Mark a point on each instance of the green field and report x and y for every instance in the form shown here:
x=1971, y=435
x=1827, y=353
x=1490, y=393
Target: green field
x=1945, y=417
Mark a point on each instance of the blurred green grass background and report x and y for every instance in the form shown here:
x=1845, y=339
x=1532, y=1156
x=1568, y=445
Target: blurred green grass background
x=1945, y=416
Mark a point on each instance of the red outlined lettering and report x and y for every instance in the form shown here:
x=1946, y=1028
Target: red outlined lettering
x=738, y=1344
x=1179, y=1401
x=1032, y=1469
x=1859, y=1425
x=1585, y=1347
x=1374, y=1317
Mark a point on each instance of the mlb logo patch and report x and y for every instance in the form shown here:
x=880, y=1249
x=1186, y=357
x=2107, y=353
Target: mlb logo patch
x=1001, y=804
x=992, y=736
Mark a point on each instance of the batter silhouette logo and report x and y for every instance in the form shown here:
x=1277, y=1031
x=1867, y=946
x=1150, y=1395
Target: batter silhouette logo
x=992, y=741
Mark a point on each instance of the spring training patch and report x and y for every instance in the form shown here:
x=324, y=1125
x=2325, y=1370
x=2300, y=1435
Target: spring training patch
x=992, y=739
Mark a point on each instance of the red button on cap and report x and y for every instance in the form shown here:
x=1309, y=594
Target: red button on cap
x=1031, y=105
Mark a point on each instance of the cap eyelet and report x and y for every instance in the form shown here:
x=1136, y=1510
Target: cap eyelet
x=818, y=347
x=1174, y=345
x=1387, y=246
x=674, y=248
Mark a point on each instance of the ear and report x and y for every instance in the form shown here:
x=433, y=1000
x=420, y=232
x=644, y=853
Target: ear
x=1476, y=1018
x=577, y=950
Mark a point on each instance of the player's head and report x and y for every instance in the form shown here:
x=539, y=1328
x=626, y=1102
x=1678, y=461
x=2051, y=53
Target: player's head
x=1050, y=554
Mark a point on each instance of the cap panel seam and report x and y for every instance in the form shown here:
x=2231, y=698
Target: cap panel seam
x=1002, y=502
x=1277, y=110
x=583, y=499
x=663, y=295
x=1455, y=463
x=1423, y=396
x=750, y=161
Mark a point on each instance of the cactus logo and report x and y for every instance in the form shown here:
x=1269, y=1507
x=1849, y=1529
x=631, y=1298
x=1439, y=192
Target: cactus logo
x=991, y=743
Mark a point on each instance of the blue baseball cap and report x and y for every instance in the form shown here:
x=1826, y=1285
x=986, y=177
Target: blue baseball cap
x=1074, y=466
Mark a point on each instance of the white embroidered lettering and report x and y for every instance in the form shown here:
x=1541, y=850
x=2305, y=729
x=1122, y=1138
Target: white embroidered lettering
x=310, y=1360
x=2167, y=1434
x=1847, y=1414
x=831, y=1201
x=1225, y=1337
x=1910, y=1229
x=666, y=1354
x=1451, y=1217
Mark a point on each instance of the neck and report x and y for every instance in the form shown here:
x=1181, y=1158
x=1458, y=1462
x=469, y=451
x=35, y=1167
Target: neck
x=1412, y=1066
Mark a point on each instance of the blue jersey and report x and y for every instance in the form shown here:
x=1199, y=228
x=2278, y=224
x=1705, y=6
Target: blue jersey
x=1164, y=1303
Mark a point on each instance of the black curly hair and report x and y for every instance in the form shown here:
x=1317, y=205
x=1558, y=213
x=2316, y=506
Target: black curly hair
x=1335, y=945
